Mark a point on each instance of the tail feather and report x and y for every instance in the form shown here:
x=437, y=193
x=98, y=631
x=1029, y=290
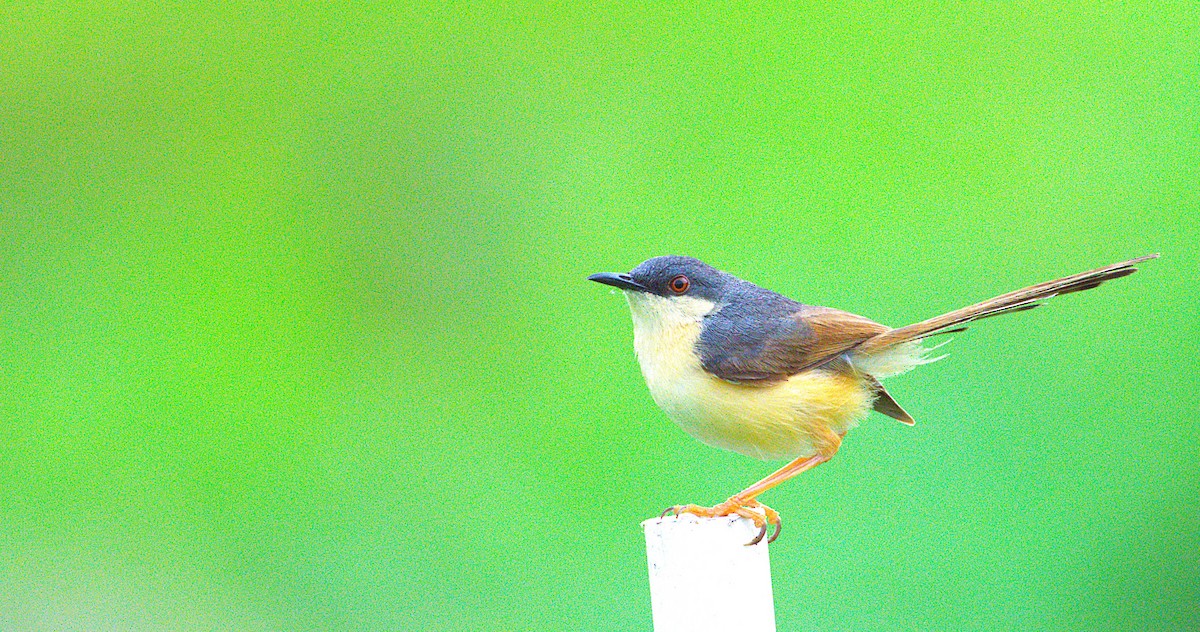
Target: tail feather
x=1017, y=301
x=884, y=403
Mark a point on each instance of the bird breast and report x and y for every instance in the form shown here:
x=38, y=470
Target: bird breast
x=781, y=420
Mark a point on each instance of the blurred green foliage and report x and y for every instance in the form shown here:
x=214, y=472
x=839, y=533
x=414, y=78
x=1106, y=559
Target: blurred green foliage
x=294, y=332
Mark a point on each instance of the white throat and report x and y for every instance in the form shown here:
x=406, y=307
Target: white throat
x=665, y=331
x=654, y=314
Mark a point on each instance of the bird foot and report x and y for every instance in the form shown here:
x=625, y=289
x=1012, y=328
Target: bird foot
x=761, y=515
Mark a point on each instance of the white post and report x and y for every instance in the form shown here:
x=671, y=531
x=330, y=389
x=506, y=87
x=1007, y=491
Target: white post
x=704, y=577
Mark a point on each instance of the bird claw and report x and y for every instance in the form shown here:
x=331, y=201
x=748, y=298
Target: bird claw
x=762, y=531
x=763, y=518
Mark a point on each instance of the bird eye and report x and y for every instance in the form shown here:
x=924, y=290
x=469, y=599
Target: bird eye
x=679, y=284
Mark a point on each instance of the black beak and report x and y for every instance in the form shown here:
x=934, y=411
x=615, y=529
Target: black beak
x=623, y=281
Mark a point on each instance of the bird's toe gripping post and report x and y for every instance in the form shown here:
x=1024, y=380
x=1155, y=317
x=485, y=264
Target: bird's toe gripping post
x=761, y=515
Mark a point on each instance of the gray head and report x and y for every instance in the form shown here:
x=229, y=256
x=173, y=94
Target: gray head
x=671, y=276
x=683, y=289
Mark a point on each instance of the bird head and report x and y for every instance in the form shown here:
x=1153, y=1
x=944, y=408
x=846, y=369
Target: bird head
x=669, y=288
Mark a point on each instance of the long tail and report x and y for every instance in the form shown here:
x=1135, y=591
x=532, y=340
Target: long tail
x=1017, y=301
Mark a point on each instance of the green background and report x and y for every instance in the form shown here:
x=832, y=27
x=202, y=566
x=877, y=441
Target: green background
x=294, y=332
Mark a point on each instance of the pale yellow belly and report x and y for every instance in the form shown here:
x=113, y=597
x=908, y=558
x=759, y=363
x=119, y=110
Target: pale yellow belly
x=780, y=421
x=784, y=420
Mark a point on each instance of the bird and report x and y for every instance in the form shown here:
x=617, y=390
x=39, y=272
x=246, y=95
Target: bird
x=746, y=369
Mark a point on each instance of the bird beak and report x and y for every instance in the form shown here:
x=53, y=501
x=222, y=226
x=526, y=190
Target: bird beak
x=622, y=281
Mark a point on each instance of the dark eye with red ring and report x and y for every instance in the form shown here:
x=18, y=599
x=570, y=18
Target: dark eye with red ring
x=679, y=284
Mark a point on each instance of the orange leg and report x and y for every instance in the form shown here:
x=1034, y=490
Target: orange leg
x=782, y=474
x=744, y=502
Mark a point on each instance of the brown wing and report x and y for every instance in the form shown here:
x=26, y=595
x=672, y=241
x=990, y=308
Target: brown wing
x=834, y=333
x=768, y=350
